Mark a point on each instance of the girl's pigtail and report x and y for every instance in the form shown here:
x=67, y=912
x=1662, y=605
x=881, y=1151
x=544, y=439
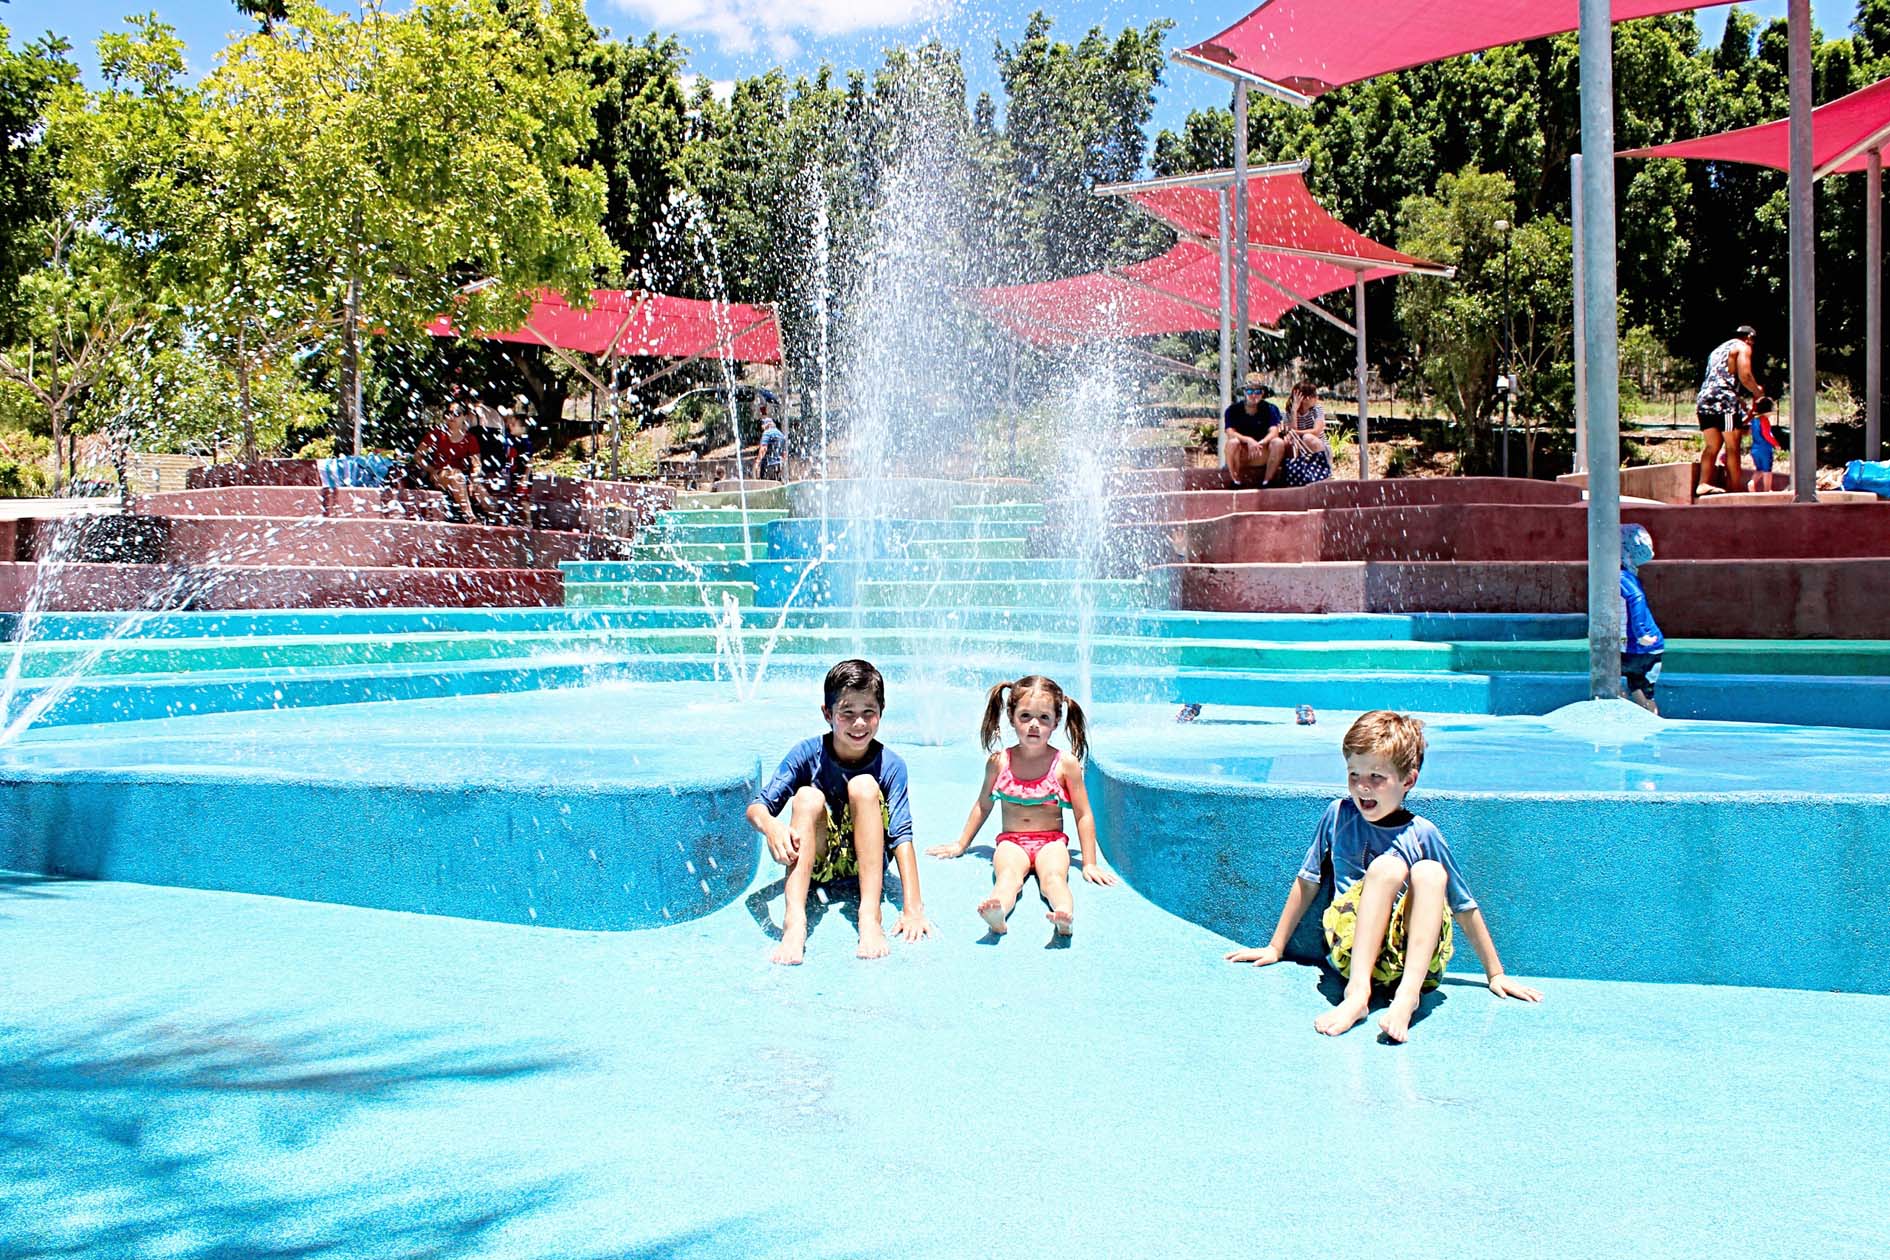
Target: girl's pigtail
x=993, y=715
x=1078, y=729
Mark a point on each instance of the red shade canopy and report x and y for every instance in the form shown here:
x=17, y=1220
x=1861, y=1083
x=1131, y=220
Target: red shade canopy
x=1282, y=218
x=1309, y=47
x=628, y=324
x=1178, y=292
x=1843, y=132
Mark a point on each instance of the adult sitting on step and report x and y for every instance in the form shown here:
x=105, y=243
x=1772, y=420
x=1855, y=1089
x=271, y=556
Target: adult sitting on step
x=1248, y=426
x=448, y=460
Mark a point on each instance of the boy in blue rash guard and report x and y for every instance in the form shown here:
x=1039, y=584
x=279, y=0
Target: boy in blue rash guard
x=849, y=806
x=1641, y=640
x=1396, y=887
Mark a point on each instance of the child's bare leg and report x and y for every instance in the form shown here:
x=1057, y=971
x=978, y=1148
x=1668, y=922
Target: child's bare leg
x=1053, y=879
x=1009, y=867
x=1383, y=878
x=869, y=848
x=807, y=823
x=1424, y=928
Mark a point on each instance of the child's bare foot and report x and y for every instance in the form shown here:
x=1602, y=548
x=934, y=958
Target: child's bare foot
x=872, y=942
x=1061, y=920
x=793, y=945
x=1344, y=1015
x=1396, y=1022
x=991, y=910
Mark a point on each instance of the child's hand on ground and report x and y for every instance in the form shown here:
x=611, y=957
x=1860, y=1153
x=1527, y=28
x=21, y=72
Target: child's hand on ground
x=948, y=850
x=781, y=846
x=1265, y=956
x=1503, y=986
x=1096, y=873
x=912, y=925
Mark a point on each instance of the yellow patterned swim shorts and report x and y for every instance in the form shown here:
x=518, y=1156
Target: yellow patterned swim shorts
x=1341, y=921
x=840, y=861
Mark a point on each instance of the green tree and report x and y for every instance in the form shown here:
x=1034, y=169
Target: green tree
x=427, y=161
x=29, y=77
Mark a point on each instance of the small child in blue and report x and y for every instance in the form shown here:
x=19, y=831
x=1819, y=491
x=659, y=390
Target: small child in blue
x=1395, y=885
x=850, y=807
x=1641, y=640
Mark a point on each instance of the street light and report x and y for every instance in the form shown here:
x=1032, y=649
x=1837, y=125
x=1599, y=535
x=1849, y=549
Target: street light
x=1506, y=383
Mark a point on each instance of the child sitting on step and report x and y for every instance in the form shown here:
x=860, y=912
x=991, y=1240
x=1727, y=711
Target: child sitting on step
x=1034, y=782
x=849, y=807
x=1395, y=886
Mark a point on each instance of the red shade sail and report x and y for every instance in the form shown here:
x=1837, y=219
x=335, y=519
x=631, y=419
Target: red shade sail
x=1843, y=132
x=628, y=324
x=1282, y=219
x=1308, y=47
x=1178, y=292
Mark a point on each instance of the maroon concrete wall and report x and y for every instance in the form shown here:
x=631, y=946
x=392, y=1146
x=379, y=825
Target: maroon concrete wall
x=1765, y=599
x=345, y=501
x=1381, y=492
x=261, y=472
x=118, y=587
x=1482, y=532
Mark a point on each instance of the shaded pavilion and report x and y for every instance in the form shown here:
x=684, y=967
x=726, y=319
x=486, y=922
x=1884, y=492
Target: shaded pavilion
x=1296, y=252
x=622, y=324
x=1847, y=136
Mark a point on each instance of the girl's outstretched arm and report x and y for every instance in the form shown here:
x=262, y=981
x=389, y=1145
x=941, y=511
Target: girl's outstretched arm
x=1070, y=771
x=980, y=810
x=1471, y=921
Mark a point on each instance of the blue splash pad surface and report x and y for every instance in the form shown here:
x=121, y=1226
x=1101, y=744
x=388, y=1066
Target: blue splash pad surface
x=1573, y=750
x=204, y=1074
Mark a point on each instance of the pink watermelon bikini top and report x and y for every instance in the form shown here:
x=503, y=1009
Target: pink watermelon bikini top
x=1046, y=789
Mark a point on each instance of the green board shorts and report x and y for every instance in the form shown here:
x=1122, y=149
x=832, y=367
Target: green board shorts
x=840, y=860
x=1341, y=922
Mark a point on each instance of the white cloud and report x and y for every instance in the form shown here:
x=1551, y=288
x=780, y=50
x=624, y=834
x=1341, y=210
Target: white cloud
x=720, y=89
x=742, y=26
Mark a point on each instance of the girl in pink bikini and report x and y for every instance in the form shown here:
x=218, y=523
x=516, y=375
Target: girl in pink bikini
x=1034, y=783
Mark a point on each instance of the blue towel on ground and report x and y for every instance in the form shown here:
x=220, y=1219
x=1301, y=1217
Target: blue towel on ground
x=354, y=470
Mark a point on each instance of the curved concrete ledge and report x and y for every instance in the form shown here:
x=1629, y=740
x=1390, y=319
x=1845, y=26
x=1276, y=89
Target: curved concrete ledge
x=610, y=858
x=1773, y=890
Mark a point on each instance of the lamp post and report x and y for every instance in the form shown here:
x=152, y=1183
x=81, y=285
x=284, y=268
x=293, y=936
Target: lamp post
x=1506, y=382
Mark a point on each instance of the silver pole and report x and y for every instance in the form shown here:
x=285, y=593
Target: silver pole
x=1242, y=293
x=1227, y=323
x=1601, y=353
x=1358, y=336
x=1873, y=305
x=1800, y=229
x=1581, y=324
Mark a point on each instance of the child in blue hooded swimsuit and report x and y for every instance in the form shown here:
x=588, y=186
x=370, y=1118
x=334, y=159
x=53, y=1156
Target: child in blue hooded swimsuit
x=1641, y=641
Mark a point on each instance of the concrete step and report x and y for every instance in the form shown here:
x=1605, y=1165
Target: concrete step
x=1013, y=513
x=773, y=498
x=1022, y=592
x=1006, y=548
x=669, y=552
x=694, y=534
x=655, y=571
x=622, y=594
x=674, y=517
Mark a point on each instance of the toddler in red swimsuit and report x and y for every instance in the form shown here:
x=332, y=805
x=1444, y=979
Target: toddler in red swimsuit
x=1034, y=782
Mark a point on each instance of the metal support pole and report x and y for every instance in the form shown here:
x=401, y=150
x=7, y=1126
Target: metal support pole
x=1509, y=344
x=1602, y=353
x=1227, y=303
x=1364, y=425
x=1800, y=229
x=1243, y=300
x=1873, y=306
x=1581, y=329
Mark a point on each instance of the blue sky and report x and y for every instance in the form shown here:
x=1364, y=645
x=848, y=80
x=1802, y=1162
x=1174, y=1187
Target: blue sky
x=732, y=38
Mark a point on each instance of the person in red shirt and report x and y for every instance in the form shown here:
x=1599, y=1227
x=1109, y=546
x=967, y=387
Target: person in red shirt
x=448, y=459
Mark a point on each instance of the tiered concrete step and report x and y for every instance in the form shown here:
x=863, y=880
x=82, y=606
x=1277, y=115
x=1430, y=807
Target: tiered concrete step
x=1110, y=593
x=656, y=594
x=1004, y=547
x=1007, y=513
x=774, y=498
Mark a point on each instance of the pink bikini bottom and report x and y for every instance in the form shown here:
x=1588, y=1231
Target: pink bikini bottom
x=1032, y=841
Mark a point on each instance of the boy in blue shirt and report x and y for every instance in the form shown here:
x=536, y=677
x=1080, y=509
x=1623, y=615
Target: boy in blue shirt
x=850, y=805
x=1396, y=887
x=1641, y=640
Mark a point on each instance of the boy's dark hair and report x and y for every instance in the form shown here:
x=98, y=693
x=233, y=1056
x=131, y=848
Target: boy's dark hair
x=853, y=675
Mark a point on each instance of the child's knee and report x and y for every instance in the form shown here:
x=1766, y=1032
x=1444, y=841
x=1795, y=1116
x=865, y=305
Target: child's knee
x=1428, y=874
x=1389, y=868
x=863, y=793
x=807, y=802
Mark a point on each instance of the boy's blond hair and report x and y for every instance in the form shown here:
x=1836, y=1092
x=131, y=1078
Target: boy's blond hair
x=1397, y=737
